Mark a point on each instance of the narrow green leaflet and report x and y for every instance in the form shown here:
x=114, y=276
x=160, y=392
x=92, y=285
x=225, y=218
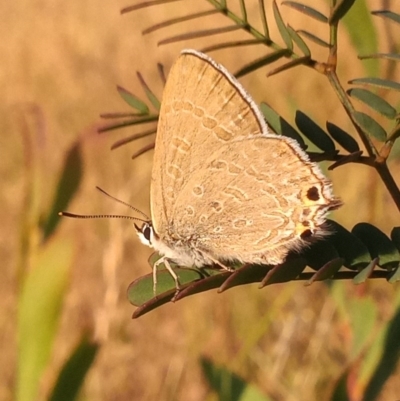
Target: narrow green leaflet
x=395, y=236
x=68, y=184
x=313, y=38
x=374, y=101
x=387, y=56
x=261, y=62
x=339, y=392
x=263, y=17
x=319, y=254
x=372, y=355
x=280, y=126
x=305, y=60
x=132, y=138
x=388, y=15
x=307, y=10
x=360, y=26
x=340, y=10
x=378, y=244
x=299, y=41
x=200, y=34
x=355, y=254
x=243, y=10
x=314, y=132
x=370, y=126
x=282, y=27
x=378, y=82
x=228, y=385
x=149, y=93
x=148, y=3
x=133, y=101
x=177, y=20
x=363, y=315
x=327, y=271
x=39, y=311
x=389, y=360
x=74, y=371
x=365, y=273
x=342, y=138
x=135, y=121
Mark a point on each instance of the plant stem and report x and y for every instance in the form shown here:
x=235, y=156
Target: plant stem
x=390, y=184
x=333, y=79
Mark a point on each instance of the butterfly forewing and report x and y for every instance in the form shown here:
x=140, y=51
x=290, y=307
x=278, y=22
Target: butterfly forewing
x=202, y=109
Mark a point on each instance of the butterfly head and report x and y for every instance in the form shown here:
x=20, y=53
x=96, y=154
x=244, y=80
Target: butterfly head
x=146, y=233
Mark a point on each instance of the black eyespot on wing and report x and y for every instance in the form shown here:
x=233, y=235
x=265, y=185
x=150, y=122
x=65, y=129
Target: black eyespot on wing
x=313, y=194
x=306, y=234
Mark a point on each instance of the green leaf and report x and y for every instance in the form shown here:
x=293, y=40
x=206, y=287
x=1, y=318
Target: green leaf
x=388, y=362
x=261, y=62
x=395, y=276
x=67, y=187
x=314, y=132
x=291, y=64
x=141, y=290
x=39, y=311
x=355, y=254
x=388, y=15
x=137, y=121
x=340, y=10
x=299, y=41
x=378, y=244
x=371, y=357
x=319, y=254
x=282, y=27
x=280, y=126
x=307, y=10
x=132, y=138
x=327, y=271
x=374, y=101
x=377, y=82
x=342, y=138
x=370, y=126
x=132, y=100
x=285, y=272
x=74, y=371
x=313, y=38
x=363, y=316
x=365, y=273
x=228, y=385
x=150, y=95
x=340, y=389
x=395, y=236
x=363, y=33
x=387, y=56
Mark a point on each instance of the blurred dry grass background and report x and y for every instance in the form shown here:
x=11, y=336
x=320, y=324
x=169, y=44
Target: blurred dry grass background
x=60, y=64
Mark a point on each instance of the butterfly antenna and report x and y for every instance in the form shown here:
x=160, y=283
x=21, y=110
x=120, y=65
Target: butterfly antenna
x=99, y=216
x=124, y=203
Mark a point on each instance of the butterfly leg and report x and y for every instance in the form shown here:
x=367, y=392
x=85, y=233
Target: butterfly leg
x=224, y=267
x=170, y=271
x=217, y=262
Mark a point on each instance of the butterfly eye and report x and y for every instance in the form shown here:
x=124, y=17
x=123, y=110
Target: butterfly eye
x=147, y=233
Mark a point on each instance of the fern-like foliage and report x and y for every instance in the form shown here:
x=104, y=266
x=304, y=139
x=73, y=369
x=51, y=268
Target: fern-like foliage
x=365, y=252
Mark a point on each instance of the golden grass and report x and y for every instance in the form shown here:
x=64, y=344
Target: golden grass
x=60, y=64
